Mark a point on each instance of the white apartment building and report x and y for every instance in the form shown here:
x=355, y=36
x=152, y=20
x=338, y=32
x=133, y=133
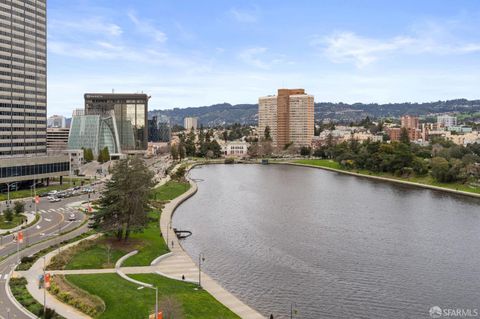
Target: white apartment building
x=235, y=149
x=446, y=121
x=190, y=123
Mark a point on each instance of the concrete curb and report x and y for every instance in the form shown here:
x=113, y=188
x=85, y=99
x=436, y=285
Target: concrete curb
x=119, y=271
x=14, y=301
x=30, y=223
x=215, y=290
x=119, y=262
x=158, y=259
x=385, y=179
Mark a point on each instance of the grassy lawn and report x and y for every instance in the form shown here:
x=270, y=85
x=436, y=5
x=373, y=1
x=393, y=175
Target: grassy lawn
x=124, y=300
x=17, y=220
x=169, y=191
x=149, y=242
x=320, y=162
x=96, y=255
x=426, y=180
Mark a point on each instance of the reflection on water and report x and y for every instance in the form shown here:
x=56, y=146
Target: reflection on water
x=336, y=245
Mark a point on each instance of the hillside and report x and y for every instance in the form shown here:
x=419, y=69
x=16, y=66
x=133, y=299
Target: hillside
x=221, y=114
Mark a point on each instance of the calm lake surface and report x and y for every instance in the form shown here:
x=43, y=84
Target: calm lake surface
x=336, y=245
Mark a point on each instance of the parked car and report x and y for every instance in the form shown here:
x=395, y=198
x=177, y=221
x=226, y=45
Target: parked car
x=45, y=194
x=52, y=193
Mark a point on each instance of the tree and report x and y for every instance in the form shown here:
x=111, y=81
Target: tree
x=440, y=169
x=124, y=203
x=19, y=207
x=181, y=151
x=8, y=214
x=88, y=155
x=306, y=151
x=104, y=155
x=174, y=152
x=171, y=308
x=404, y=138
x=266, y=134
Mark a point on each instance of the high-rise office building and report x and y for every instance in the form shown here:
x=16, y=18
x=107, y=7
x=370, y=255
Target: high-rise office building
x=130, y=113
x=23, y=94
x=289, y=116
x=190, y=123
x=57, y=140
x=159, y=129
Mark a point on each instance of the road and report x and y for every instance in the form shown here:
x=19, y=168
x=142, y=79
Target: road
x=54, y=220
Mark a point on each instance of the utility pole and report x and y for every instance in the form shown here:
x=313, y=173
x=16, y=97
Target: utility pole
x=201, y=258
x=44, y=291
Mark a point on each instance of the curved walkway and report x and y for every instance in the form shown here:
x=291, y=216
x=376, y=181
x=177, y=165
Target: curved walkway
x=172, y=265
x=179, y=263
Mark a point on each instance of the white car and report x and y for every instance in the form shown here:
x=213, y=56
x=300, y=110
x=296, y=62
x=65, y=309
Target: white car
x=55, y=200
x=72, y=217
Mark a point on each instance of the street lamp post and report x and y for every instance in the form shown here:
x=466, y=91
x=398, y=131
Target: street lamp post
x=44, y=291
x=156, y=298
x=293, y=309
x=201, y=258
x=169, y=227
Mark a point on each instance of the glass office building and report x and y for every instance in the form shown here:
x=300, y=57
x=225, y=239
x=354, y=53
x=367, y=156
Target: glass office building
x=130, y=113
x=159, y=129
x=94, y=132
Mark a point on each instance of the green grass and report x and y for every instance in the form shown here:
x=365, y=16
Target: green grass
x=124, y=300
x=169, y=191
x=27, y=262
x=150, y=244
x=320, y=162
x=425, y=180
x=96, y=256
x=17, y=220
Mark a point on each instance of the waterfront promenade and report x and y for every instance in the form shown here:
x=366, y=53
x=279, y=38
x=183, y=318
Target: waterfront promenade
x=178, y=263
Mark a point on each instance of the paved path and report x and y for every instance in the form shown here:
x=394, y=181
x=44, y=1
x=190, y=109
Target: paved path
x=39, y=293
x=179, y=263
x=174, y=265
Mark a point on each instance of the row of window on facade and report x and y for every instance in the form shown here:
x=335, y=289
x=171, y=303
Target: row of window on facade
x=39, y=169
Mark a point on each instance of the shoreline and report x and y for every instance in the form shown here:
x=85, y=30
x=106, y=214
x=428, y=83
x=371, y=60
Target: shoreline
x=177, y=251
x=384, y=179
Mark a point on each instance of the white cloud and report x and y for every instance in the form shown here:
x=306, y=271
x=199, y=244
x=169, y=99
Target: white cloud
x=258, y=57
x=244, y=16
x=429, y=38
x=94, y=25
x=148, y=28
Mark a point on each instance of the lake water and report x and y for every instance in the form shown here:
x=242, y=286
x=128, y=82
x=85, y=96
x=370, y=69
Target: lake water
x=337, y=246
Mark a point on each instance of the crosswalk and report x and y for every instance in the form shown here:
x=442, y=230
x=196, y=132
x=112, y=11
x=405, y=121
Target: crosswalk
x=56, y=210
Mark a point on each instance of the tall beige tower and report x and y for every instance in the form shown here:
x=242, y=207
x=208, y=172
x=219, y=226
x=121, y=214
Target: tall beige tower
x=290, y=116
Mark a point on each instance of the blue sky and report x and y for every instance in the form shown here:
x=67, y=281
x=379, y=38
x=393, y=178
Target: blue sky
x=192, y=53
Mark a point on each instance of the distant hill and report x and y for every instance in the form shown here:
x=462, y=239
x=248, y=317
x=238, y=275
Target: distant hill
x=222, y=114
